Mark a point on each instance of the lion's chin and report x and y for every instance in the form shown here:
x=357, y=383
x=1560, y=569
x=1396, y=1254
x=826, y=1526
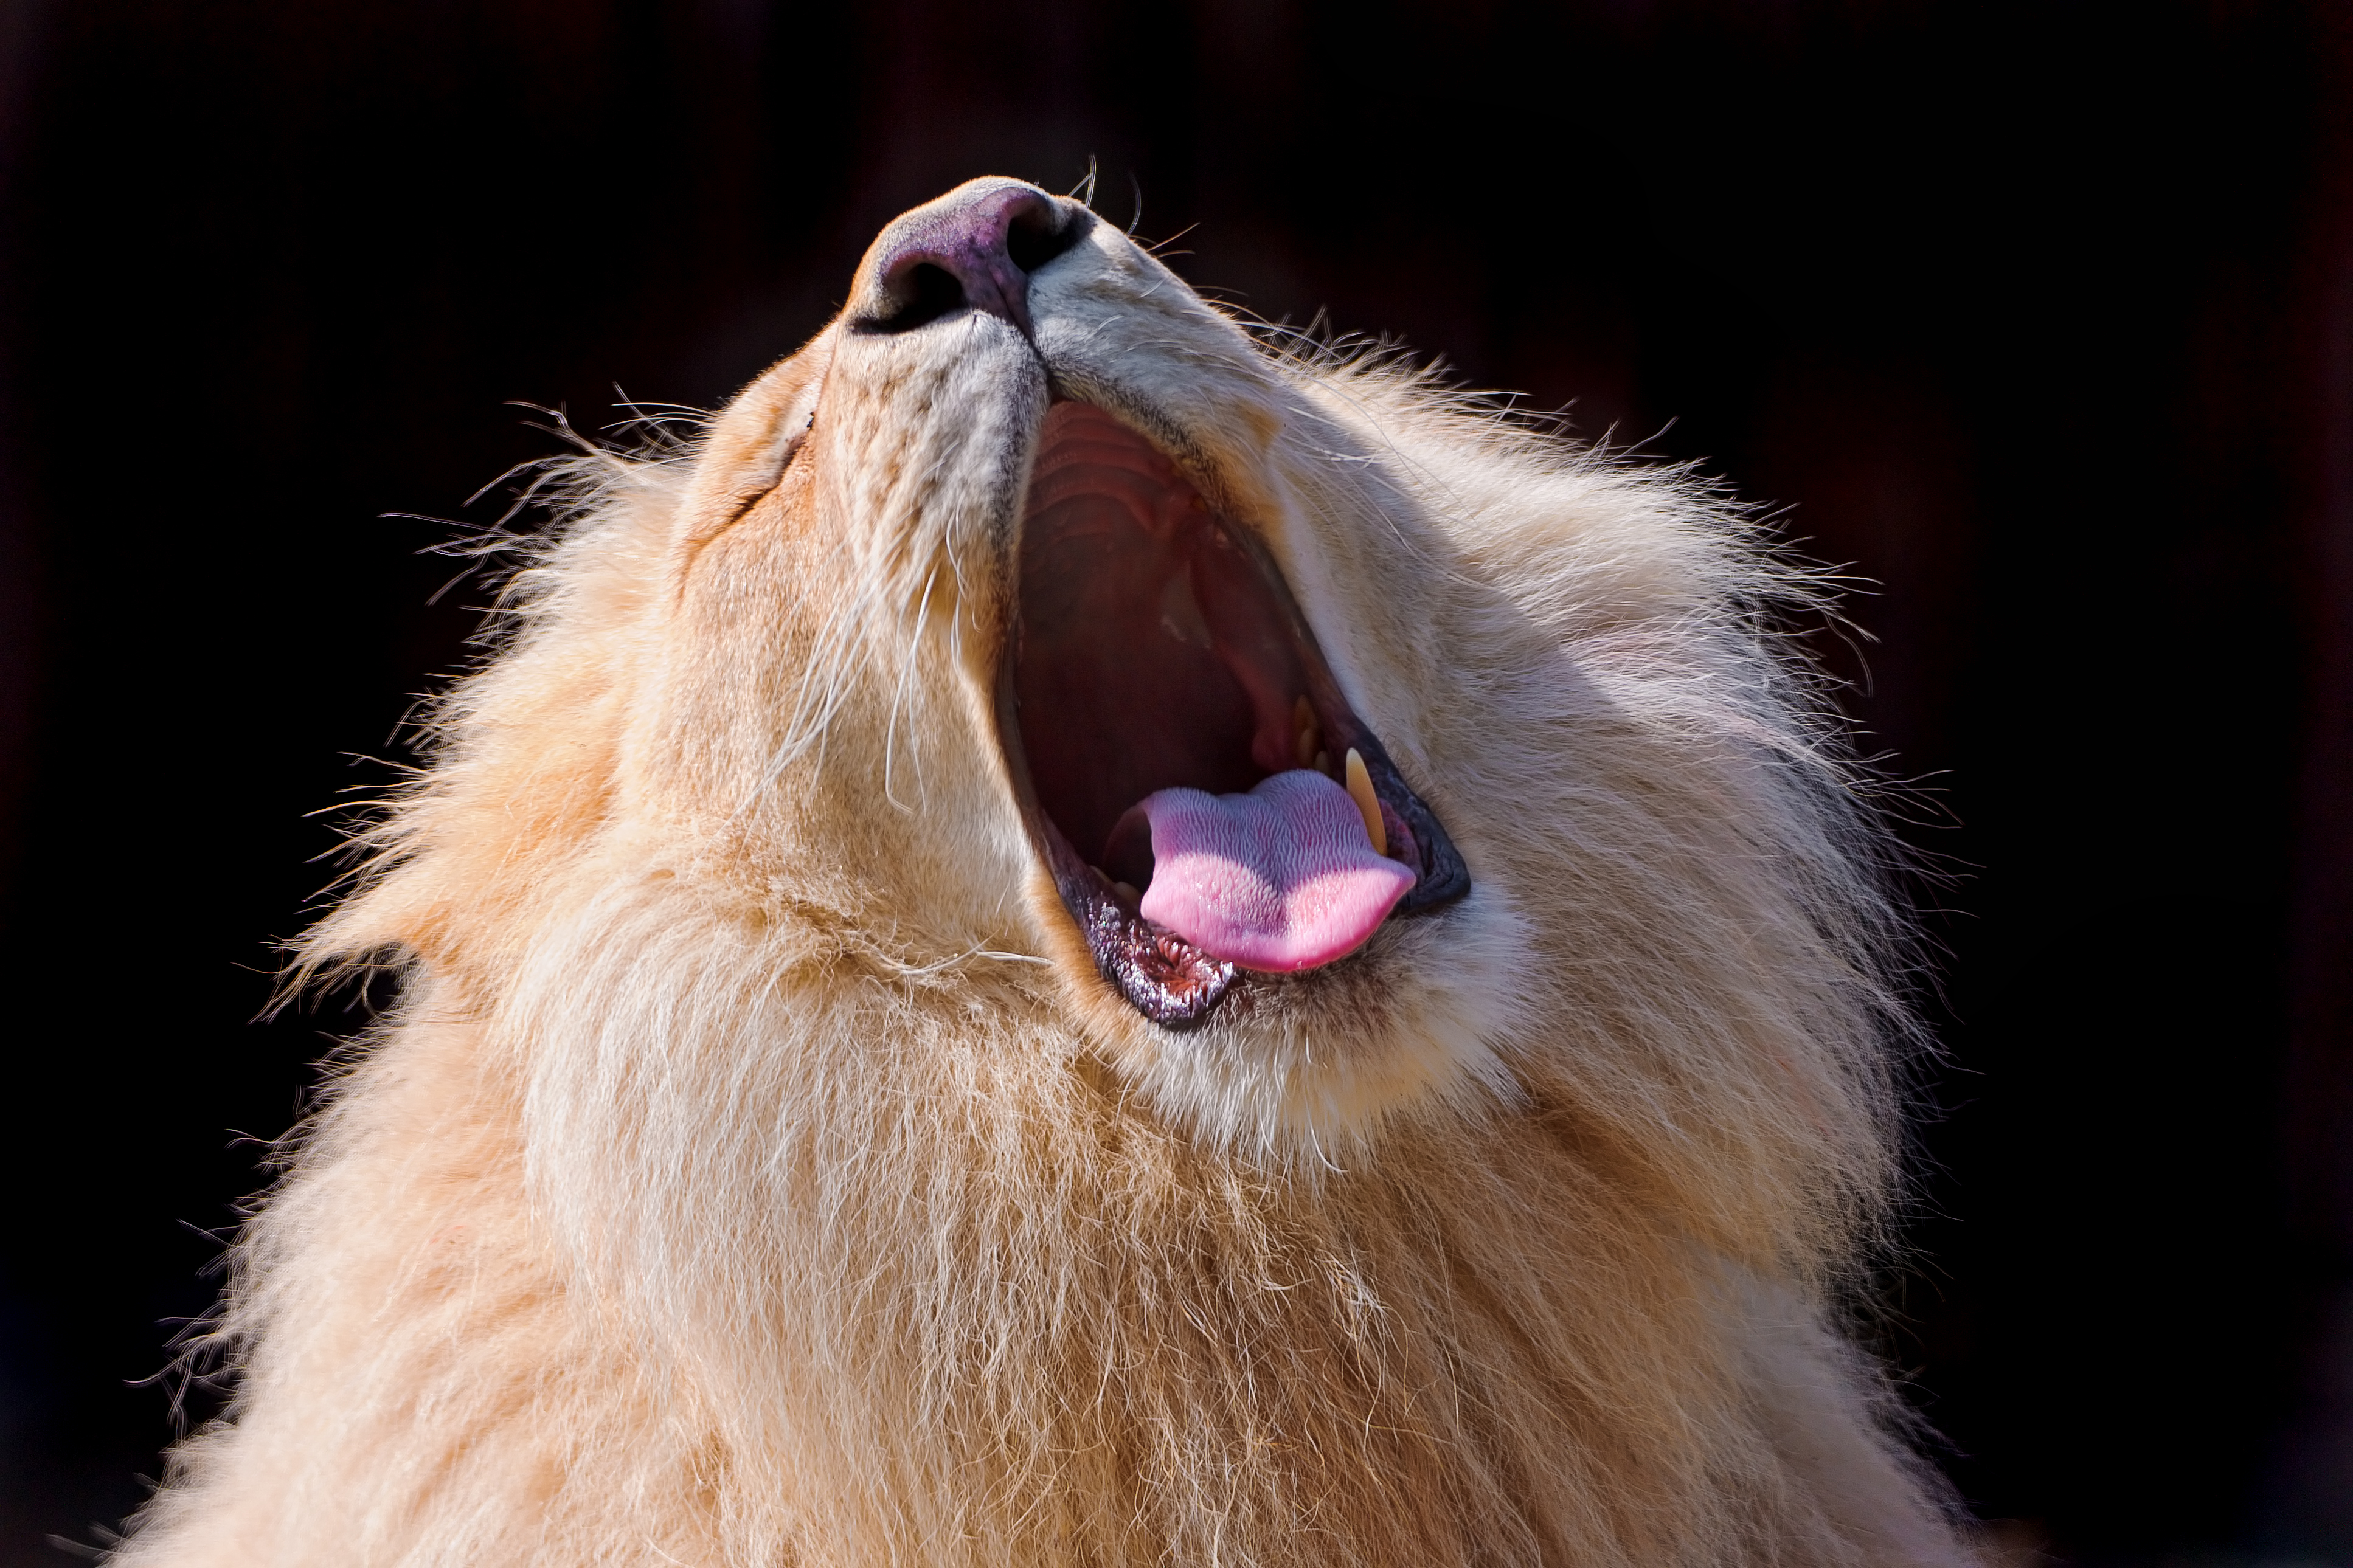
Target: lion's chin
x=1206, y=799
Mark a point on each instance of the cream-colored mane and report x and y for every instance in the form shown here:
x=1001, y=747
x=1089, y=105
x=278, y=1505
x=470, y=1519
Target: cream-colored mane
x=758, y=1170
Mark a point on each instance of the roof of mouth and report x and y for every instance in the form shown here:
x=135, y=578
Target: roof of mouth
x=1154, y=653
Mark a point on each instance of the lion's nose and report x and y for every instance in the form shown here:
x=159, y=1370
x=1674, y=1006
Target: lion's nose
x=974, y=248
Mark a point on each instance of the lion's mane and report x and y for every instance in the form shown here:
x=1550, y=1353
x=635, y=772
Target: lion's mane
x=703, y=1205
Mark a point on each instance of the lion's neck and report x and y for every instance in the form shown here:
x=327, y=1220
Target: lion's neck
x=942, y=1285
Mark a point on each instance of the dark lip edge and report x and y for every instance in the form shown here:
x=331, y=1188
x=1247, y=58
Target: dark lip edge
x=1444, y=878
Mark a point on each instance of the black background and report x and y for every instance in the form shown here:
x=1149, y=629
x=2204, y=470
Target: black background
x=2041, y=315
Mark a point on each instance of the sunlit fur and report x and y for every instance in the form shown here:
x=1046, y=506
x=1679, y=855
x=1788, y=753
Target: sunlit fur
x=756, y=1170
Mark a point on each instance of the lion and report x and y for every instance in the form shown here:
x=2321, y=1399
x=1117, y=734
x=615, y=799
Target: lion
x=1083, y=933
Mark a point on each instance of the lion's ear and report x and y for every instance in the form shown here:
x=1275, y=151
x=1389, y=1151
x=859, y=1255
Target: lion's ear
x=747, y=448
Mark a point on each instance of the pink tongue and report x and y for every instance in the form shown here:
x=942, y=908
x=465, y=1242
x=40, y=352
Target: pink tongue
x=1280, y=879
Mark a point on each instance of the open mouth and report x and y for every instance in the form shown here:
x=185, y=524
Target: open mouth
x=1206, y=798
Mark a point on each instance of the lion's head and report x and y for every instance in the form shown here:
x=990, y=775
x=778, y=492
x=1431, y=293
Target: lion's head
x=1083, y=933
x=1032, y=609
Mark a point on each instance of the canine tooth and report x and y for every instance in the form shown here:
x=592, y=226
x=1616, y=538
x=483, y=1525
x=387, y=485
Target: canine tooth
x=1324, y=763
x=1307, y=737
x=1368, y=805
x=1127, y=890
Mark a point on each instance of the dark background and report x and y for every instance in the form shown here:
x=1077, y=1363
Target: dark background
x=2039, y=314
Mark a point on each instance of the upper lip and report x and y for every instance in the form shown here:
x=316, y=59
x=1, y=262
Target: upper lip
x=1104, y=697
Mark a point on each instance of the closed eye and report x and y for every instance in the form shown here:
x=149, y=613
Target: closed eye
x=759, y=489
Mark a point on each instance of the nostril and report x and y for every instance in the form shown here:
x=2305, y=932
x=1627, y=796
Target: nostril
x=1033, y=237
x=973, y=250
x=922, y=293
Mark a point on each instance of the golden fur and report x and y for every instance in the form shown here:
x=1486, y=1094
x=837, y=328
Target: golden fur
x=757, y=1170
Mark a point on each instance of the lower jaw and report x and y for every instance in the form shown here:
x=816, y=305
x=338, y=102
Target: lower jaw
x=1165, y=977
x=1168, y=980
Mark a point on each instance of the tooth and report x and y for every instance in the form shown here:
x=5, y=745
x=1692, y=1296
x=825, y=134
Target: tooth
x=1306, y=738
x=1126, y=892
x=1324, y=763
x=1368, y=805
